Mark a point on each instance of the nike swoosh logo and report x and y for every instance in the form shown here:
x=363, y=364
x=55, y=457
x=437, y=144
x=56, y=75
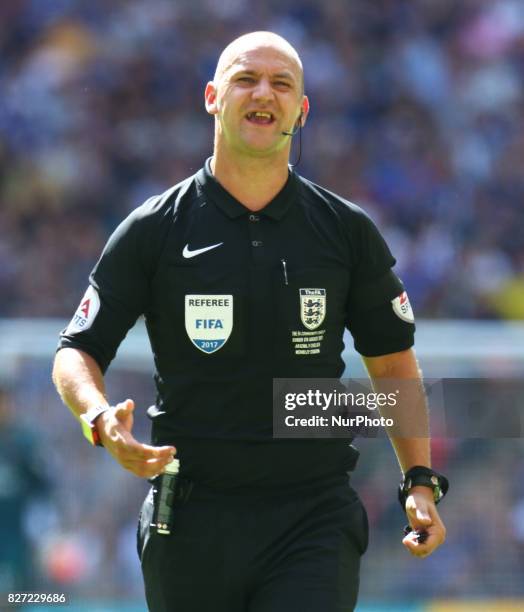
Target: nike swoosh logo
x=188, y=254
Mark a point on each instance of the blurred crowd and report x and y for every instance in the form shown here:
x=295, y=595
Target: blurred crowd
x=417, y=115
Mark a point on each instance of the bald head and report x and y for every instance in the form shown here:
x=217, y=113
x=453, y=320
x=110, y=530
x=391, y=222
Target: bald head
x=258, y=40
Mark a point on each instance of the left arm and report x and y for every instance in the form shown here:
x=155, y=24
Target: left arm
x=420, y=507
x=403, y=366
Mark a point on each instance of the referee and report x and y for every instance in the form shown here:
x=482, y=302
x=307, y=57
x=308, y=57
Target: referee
x=222, y=267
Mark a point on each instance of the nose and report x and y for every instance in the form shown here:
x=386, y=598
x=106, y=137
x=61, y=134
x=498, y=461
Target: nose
x=263, y=90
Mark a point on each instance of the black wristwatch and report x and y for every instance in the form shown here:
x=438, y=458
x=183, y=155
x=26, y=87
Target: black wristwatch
x=421, y=476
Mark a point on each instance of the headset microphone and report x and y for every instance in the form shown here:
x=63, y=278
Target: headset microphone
x=295, y=130
x=297, y=127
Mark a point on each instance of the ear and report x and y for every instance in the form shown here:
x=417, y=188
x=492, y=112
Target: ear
x=304, y=111
x=210, y=96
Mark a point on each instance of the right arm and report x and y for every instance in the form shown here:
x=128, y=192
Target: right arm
x=80, y=383
x=78, y=380
x=118, y=294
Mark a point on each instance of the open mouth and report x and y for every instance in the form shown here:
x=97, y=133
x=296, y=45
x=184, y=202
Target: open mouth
x=260, y=117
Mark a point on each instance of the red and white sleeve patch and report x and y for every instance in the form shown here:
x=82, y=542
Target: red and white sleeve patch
x=402, y=308
x=86, y=312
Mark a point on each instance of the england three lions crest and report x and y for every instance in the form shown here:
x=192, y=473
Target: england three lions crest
x=312, y=307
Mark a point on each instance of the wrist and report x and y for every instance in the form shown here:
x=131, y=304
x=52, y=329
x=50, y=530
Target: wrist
x=424, y=480
x=90, y=421
x=419, y=490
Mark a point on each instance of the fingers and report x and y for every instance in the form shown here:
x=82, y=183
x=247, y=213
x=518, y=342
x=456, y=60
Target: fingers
x=435, y=537
x=130, y=448
x=124, y=409
x=429, y=522
x=416, y=548
x=143, y=460
x=423, y=519
x=145, y=469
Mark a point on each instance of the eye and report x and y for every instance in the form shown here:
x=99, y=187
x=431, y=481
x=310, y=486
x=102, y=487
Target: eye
x=246, y=79
x=282, y=84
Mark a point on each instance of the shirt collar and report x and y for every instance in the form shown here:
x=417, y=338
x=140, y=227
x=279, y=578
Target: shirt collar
x=275, y=209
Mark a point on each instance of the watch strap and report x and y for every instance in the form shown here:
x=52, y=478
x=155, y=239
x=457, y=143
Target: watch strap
x=88, y=424
x=422, y=476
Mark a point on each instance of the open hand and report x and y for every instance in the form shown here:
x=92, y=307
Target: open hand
x=143, y=460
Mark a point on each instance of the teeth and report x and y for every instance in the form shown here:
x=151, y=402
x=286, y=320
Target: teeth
x=261, y=114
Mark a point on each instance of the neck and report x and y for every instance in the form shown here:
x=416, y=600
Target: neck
x=254, y=182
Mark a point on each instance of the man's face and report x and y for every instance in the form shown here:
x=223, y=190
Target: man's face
x=256, y=96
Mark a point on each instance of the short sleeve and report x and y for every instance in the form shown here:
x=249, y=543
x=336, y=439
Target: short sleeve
x=117, y=294
x=372, y=312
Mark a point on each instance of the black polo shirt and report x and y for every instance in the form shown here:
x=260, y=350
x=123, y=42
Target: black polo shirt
x=233, y=299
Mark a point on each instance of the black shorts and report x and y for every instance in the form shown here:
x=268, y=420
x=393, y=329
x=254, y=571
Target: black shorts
x=257, y=551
